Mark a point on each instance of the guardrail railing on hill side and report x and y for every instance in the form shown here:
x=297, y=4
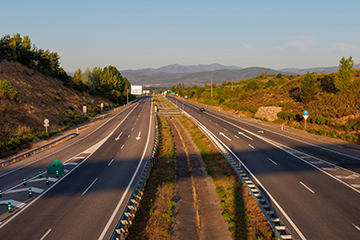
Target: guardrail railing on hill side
x=37, y=150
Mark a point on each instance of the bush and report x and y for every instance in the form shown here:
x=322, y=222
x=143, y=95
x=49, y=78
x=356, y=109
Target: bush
x=43, y=135
x=221, y=101
x=71, y=108
x=6, y=89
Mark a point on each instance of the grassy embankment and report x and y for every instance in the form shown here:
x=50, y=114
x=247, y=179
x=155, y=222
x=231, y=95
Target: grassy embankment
x=154, y=218
x=332, y=113
x=244, y=218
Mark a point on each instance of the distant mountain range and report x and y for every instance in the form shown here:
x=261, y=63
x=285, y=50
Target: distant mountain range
x=317, y=70
x=157, y=78
x=177, y=68
x=199, y=74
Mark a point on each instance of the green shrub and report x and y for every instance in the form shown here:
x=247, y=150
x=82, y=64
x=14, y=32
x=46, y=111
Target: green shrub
x=7, y=90
x=71, y=108
x=43, y=135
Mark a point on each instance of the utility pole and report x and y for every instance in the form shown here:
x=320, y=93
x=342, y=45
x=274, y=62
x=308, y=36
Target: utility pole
x=127, y=96
x=211, y=89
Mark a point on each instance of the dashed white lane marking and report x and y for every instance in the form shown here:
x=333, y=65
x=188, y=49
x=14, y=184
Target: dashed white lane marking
x=110, y=162
x=45, y=234
x=358, y=228
x=272, y=161
x=307, y=187
x=216, y=124
x=210, y=120
x=225, y=129
x=13, y=203
x=89, y=186
x=251, y=146
x=236, y=136
x=356, y=185
x=34, y=189
x=129, y=136
x=122, y=146
x=306, y=156
x=132, y=129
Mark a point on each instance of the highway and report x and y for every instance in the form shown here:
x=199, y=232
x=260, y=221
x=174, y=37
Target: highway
x=101, y=165
x=314, y=186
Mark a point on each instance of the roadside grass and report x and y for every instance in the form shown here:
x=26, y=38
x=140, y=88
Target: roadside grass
x=154, y=218
x=167, y=102
x=245, y=219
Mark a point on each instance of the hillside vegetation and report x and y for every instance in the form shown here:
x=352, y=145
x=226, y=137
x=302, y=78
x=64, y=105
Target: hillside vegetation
x=34, y=87
x=332, y=100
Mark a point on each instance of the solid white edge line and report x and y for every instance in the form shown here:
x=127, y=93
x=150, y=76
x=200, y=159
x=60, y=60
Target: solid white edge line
x=307, y=187
x=45, y=234
x=110, y=162
x=52, y=186
x=65, y=146
x=272, y=161
x=131, y=181
x=89, y=186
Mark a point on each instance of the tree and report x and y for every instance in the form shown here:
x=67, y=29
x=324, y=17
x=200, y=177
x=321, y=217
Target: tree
x=309, y=88
x=279, y=75
x=344, y=76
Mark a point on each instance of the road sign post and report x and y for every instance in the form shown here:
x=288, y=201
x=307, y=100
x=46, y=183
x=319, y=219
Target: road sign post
x=46, y=124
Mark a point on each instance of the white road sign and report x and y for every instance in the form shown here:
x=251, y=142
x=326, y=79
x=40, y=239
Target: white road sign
x=136, y=89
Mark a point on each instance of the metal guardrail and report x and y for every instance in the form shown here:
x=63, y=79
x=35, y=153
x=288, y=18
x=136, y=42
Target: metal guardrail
x=122, y=227
x=36, y=150
x=278, y=226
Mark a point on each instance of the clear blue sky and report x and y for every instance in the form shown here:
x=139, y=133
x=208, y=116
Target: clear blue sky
x=140, y=34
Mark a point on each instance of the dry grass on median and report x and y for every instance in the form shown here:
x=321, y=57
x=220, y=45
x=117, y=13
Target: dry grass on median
x=245, y=219
x=154, y=218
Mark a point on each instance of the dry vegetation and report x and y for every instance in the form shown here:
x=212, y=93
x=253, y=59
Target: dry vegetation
x=244, y=217
x=154, y=218
x=38, y=97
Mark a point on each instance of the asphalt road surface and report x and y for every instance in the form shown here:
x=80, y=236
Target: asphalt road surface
x=102, y=166
x=314, y=186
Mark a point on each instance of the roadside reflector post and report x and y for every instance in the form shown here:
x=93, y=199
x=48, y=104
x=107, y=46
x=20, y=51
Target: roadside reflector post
x=57, y=173
x=40, y=174
x=77, y=130
x=9, y=207
x=30, y=192
x=24, y=181
x=47, y=180
x=0, y=193
x=282, y=127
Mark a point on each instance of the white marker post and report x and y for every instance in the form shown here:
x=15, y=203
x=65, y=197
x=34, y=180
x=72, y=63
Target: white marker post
x=101, y=105
x=305, y=116
x=46, y=124
x=84, y=110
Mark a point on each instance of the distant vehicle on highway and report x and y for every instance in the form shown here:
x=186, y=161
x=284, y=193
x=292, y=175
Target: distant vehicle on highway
x=201, y=109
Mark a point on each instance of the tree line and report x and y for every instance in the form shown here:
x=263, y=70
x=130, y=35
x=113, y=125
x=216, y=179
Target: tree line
x=107, y=82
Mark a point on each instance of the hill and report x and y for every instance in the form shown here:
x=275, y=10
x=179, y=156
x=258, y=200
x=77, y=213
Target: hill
x=332, y=112
x=195, y=78
x=38, y=97
x=177, y=68
x=316, y=70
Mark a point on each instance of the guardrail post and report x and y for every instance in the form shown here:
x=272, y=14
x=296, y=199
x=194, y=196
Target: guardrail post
x=24, y=181
x=40, y=174
x=9, y=207
x=30, y=192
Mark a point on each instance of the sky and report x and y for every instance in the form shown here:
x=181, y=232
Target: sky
x=150, y=34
